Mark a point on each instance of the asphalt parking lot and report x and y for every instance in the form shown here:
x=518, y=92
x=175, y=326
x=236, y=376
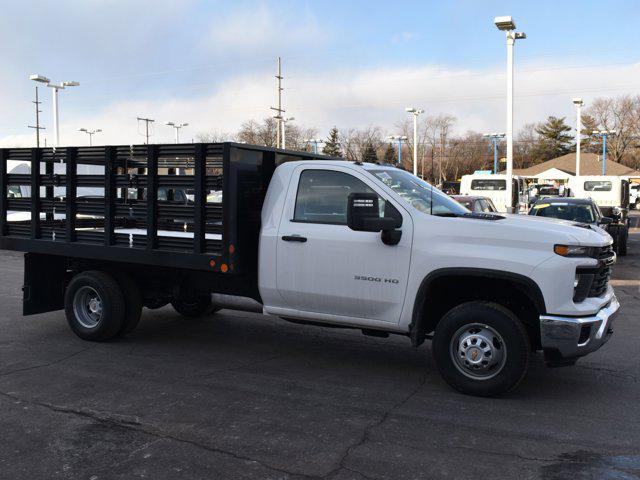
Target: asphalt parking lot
x=237, y=395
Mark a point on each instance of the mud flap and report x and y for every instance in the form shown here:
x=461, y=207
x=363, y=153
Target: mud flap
x=44, y=283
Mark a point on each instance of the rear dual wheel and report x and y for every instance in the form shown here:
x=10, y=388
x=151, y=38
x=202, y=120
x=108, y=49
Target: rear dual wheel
x=99, y=306
x=194, y=306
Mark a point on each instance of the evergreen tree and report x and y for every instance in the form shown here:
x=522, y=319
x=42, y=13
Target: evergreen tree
x=589, y=143
x=369, y=153
x=555, y=139
x=332, y=145
x=390, y=155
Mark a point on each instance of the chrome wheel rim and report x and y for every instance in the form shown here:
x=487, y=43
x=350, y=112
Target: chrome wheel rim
x=87, y=307
x=478, y=351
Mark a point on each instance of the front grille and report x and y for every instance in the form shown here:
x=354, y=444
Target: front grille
x=600, y=282
x=606, y=254
x=593, y=281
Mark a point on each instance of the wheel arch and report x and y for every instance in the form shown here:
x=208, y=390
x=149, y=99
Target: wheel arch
x=526, y=293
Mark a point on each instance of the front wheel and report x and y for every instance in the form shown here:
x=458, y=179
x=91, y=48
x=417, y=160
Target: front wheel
x=481, y=348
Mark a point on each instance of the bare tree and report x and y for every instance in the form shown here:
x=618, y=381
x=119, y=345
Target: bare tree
x=215, y=136
x=354, y=142
x=264, y=133
x=619, y=114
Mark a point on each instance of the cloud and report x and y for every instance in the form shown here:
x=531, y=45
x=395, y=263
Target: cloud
x=359, y=97
x=405, y=37
x=265, y=29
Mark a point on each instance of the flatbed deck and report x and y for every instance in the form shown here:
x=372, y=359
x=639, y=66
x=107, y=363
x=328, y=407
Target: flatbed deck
x=186, y=206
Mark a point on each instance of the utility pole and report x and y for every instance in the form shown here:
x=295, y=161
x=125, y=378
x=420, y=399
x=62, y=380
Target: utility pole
x=37, y=125
x=147, y=121
x=280, y=111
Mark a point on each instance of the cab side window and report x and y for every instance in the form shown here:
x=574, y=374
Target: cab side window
x=322, y=196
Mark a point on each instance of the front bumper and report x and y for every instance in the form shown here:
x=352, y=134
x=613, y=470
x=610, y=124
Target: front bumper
x=572, y=337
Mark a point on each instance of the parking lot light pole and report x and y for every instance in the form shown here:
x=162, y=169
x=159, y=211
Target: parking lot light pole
x=315, y=142
x=415, y=112
x=55, y=87
x=495, y=138
x=603, y=134
x=91, y=133
x=283, y=122
x=578, y=103
x=177, y=127
x=399, y=139
x=507, y=25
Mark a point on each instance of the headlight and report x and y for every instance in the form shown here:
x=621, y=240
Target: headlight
x=572, y=251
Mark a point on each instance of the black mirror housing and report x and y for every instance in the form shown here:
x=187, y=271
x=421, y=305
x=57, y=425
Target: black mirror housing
x=363, y=214
x=606, y=221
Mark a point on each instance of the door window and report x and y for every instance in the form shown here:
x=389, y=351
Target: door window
x=323, y=194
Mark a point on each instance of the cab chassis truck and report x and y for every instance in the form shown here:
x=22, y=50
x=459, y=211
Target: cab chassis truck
x=313, y=240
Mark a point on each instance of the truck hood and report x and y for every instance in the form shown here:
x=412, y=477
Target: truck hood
x=556, y=229
x=512, y=232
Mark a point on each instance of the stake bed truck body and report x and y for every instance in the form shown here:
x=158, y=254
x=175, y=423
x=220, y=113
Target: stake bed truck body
x=313, y=240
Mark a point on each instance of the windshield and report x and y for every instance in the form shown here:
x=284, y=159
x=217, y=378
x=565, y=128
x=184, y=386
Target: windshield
x=597, y=186
x=419, y=193
x=488, y=184
x=565, y=211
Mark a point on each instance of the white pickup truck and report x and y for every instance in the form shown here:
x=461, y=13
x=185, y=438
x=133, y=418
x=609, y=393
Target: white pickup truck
x=349, y=245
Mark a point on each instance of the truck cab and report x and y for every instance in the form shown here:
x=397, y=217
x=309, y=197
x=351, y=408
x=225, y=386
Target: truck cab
x=612, y=195
x=422, y=265
x=494, y=186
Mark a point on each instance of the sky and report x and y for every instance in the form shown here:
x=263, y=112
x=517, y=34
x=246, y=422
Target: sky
x=346, y=63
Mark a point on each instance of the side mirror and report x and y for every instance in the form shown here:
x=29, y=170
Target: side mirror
x=363, y=215
x=616, y=213
x=606, y=221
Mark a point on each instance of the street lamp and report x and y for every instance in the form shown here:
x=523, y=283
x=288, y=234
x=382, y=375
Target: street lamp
x=415, y=112
x=604, y=134
x=55, y=87
x=578, y=103
x=315, y=142
x=177, y=127
x=495, y=138
x=399, y=139
x=283, y=122
x=507, y=25
x=91, y=133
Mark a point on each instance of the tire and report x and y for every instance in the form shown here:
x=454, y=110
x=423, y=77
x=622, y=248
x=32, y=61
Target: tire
x=623, y=236
x=133, y=303
x=194, y=307
x=155, y=303
x=502, y=343
x=94, y=306
x=615, y=235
